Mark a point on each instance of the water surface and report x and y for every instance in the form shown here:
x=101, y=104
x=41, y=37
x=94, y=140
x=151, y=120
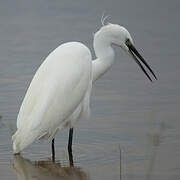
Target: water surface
x=134, y=129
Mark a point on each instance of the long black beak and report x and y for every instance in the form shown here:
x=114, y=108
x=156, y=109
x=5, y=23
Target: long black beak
x=135, y=54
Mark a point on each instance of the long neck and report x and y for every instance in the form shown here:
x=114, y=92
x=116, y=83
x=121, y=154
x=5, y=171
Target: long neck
x=104, y=54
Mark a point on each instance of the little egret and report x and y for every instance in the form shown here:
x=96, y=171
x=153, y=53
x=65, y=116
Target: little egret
x=60, y=90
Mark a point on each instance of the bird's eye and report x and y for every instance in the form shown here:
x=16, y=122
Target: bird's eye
x=128, y=42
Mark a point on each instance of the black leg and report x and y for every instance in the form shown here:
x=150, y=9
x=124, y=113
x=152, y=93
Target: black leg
x=70, y=140
x=53, y=151
x=71, y=162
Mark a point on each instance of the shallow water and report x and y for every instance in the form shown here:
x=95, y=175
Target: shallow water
x=134, y=129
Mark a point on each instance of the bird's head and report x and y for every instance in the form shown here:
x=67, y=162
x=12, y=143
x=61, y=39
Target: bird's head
x=119, y=36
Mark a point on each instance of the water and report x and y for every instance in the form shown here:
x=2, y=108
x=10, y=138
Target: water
x=134, y=130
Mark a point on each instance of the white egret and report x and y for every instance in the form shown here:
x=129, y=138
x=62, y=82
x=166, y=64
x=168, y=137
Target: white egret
x=59, y=93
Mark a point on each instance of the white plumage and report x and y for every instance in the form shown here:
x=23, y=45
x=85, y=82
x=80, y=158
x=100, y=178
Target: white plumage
x=57, y=96
x=59, y=93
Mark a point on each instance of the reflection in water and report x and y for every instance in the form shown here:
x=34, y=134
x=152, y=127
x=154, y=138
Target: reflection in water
x=1, y=122
x=155, y=138
x=45, y=170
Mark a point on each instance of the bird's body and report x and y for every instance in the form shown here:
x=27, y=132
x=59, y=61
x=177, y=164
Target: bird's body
x=57, y=96
x=59, y=93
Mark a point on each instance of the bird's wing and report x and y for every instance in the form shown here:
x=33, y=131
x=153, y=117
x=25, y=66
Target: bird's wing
x=57, y=88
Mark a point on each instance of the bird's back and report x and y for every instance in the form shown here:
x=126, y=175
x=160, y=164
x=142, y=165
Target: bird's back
x=57, y=88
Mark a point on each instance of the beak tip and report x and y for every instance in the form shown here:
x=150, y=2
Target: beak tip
x=155, y=77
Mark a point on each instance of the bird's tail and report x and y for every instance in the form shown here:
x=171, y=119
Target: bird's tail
x=21, y=140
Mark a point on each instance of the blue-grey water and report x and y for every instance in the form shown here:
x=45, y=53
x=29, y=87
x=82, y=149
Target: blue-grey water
x=134, y=129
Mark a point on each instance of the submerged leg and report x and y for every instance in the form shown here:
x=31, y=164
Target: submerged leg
x=53, y=151
x=70, y=140
x=71, y=162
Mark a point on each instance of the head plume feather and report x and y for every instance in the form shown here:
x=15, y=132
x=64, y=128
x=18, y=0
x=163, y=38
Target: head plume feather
x=104, y=18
